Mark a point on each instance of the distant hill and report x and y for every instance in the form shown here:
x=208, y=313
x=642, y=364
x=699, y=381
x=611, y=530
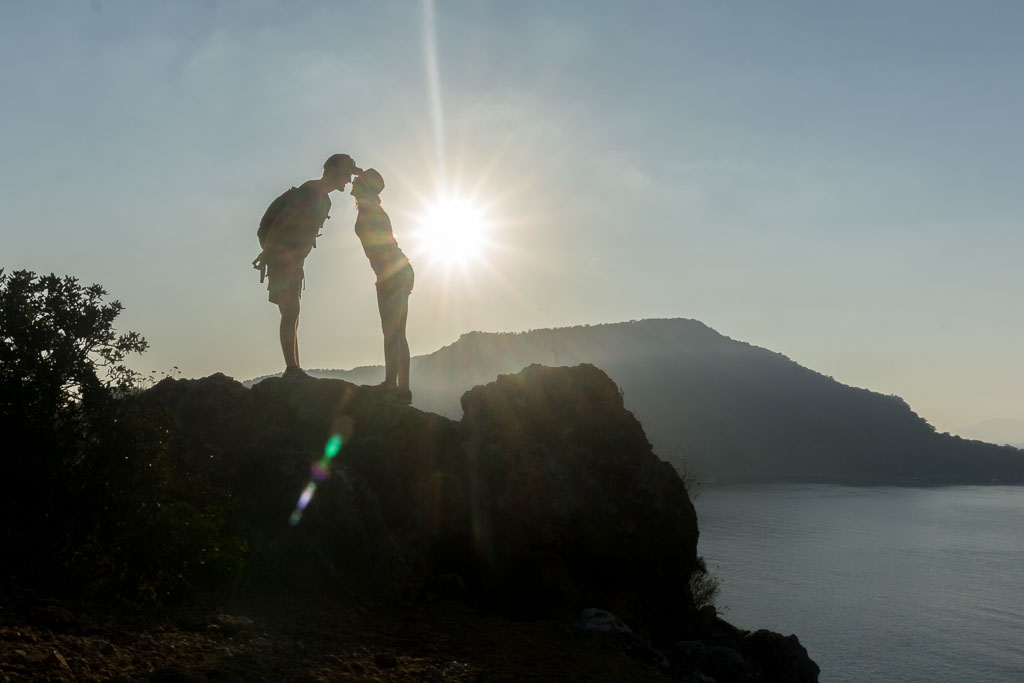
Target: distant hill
x=735, y=412
x=1000, y=431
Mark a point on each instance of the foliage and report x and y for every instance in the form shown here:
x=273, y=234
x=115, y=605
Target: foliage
x=159, y=526
x=690, y=479
x=99, y=494
x=58, y=338
x=704, y=586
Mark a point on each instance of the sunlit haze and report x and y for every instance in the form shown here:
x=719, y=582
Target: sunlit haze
x=838, y=182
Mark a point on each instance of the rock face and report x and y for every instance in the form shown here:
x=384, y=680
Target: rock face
x=572, y=500
x=545, y=498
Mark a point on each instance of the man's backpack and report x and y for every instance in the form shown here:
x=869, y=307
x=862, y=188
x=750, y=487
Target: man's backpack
x=273, y=211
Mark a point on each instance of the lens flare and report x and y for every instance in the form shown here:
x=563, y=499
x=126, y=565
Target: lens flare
x=306, y=496
x=433, y=77
x=319, y=472
x=333, y=446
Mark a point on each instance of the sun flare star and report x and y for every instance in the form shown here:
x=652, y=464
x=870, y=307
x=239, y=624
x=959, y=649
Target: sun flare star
x=452, y=231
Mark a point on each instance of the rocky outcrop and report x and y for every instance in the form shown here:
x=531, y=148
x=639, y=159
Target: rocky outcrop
x=572, y=490
x=726, y=653
x=544, y=499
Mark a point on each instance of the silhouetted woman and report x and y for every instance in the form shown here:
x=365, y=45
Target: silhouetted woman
x=394, y=281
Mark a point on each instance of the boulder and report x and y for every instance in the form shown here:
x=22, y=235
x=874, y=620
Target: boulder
x=781, y=659
x=567, y=485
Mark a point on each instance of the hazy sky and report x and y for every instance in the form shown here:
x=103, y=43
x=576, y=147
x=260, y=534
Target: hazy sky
x=837, y=181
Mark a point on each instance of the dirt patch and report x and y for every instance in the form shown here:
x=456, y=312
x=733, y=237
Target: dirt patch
x=304, y=639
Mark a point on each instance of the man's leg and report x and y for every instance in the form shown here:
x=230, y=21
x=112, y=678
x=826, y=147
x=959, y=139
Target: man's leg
x=290, y=331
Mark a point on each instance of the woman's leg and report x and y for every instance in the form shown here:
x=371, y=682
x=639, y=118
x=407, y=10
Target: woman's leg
x=402, y=344
x=393, y=304
x=388, y=325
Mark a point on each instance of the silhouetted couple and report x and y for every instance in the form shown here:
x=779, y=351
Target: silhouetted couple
x=288, y=233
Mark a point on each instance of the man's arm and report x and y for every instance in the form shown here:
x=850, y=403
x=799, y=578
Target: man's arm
x=282, y=219
x=267, y=243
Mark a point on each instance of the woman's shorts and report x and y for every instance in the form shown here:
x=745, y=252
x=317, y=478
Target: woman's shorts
x=400, y=282
x=393, y=299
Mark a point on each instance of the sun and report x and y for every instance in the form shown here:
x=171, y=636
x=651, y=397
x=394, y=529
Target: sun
x=452, y=230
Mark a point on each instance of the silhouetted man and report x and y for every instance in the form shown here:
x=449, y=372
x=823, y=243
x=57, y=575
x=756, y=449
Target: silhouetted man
x=287, y=234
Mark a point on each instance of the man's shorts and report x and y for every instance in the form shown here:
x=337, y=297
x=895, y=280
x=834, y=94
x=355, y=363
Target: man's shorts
x=284, y=280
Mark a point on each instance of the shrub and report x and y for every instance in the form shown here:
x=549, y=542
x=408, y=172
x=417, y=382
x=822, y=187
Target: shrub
x=704, y=587
x=98, y=493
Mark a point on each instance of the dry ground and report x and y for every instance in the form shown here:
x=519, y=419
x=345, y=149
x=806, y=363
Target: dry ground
x=302, y=639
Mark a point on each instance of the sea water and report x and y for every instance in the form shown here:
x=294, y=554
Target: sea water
x=879, y=583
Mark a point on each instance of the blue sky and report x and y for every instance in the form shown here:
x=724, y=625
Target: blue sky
x=835, y=181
